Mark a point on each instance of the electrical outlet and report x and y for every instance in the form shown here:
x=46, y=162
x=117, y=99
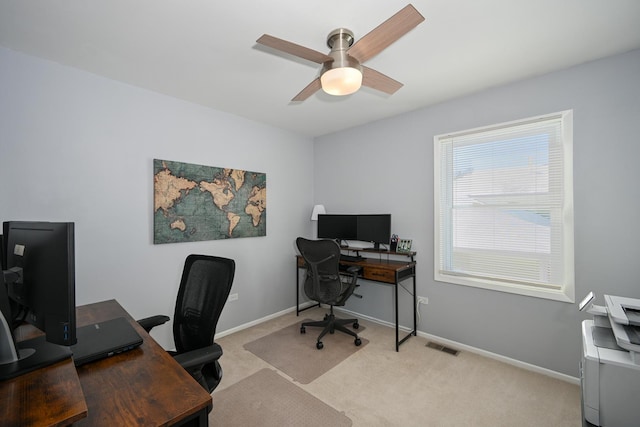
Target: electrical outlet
x=232, y=297
x=423, y=300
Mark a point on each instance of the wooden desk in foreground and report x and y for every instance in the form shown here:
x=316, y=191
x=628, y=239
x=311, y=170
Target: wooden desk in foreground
x=144, y=387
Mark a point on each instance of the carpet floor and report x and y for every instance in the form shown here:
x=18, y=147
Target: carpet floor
x=268, y=399
x=296, y=355
x=417, y=386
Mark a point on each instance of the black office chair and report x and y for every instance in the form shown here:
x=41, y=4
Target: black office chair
x=204, y=289
x=324, y=284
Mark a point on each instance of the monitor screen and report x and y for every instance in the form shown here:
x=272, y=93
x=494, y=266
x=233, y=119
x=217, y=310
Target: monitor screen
x=339, y=227
x=40, y=280
x=375, y=228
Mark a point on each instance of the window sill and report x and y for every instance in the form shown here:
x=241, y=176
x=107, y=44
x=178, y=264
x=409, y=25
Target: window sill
x=565, y=294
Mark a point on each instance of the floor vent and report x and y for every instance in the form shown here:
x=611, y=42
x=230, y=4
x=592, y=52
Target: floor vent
x=443, y=348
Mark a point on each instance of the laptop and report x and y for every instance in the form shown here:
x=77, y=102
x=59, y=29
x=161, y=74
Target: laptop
x=104, y=339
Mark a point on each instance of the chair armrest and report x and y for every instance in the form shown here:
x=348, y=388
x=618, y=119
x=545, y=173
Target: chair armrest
x=195, y=358
x=149, y=323
x=354, y=269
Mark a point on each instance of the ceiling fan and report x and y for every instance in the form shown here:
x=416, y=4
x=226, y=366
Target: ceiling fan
x=342, y=70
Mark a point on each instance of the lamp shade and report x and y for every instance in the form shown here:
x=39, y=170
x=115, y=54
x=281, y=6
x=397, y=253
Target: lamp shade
x=341, y=81
x=317, y=210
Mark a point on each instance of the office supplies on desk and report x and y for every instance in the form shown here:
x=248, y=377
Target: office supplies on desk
x=104, y=339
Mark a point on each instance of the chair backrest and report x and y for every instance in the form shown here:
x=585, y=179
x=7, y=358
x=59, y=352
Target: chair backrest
x=204, y=289
x=322, y=282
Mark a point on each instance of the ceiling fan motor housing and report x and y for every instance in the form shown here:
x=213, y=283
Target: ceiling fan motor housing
x=343, y=68
x=340, y=41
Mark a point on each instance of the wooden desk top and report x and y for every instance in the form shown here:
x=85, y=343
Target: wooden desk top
x=387, y=264
x=144, y=386
x=51, y=396
x=378, y=269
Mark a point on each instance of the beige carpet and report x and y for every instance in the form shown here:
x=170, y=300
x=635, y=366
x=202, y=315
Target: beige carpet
x=267, y=399
x=296, y=354
x=415, y=387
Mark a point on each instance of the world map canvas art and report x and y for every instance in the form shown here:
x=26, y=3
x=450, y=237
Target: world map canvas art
x=195, y=202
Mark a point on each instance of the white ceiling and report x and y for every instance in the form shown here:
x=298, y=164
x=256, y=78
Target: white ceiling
x=204, y=51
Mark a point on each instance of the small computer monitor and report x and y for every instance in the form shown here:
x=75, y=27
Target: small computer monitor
x=375, y=228
x=40, y=280
x=337, y=226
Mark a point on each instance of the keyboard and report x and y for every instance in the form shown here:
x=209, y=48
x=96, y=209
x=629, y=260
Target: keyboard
x=350, y=258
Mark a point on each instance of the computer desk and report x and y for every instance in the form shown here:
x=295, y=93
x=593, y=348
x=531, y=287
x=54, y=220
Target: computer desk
x=377, y=267
x=144, y=386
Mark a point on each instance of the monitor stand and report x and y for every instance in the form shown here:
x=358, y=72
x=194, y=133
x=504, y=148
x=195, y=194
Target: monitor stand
x=34, y=354
x=27, y=355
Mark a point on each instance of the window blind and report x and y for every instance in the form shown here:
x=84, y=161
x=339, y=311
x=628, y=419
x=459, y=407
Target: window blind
x=503, y=211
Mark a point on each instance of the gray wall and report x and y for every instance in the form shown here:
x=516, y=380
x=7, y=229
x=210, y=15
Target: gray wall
x=77, y=147
x=387, y=166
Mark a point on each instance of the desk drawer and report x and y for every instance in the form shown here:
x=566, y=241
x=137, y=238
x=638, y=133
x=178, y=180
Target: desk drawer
x=379, y=274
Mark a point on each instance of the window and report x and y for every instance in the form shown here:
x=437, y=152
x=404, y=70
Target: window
x=504, y=207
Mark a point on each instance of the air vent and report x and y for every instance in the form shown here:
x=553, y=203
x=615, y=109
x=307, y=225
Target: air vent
x=443, y=348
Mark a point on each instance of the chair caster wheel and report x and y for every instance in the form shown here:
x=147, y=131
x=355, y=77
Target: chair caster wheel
x=319, y=345
x=357, y=342
x=302, y=330
x=356, y=325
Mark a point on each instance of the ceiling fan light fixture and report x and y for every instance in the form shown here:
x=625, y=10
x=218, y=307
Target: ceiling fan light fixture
x=341, y=81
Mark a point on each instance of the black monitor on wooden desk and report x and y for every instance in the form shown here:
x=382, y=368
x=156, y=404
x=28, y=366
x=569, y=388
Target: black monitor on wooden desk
x=39, y=281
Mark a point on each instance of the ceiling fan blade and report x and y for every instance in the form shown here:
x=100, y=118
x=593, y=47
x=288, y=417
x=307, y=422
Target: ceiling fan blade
x=386, y=33
x=311, y=88
x=376, y=80
x=294, y=49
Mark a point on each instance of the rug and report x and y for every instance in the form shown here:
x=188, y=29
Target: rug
x=296, y=354
x=267, y=399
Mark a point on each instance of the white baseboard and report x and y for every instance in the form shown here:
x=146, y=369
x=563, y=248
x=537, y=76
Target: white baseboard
x=500, y=358
x=439, y=340
x=261, y=320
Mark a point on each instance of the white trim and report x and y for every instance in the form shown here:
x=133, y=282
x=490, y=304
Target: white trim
x=440, y=340
x=261, y=320
x=500, y=358
x=470, y=349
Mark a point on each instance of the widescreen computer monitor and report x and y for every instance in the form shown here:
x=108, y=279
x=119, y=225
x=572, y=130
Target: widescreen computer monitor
x=337, y=226
x=375, y=228
x=39, y=280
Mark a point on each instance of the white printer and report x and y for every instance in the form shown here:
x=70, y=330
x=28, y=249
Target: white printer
x=610, y=366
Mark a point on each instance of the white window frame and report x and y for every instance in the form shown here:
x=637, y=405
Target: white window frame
x=564, y=291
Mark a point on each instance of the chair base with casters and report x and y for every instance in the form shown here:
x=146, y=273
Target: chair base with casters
x=327, y=284
x=331, y=323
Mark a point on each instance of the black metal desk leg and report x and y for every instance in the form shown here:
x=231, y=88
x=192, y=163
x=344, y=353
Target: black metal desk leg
x=397, y=334
x=297, y=289
x=415, y=308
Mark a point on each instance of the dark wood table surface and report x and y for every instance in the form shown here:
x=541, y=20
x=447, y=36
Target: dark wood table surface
x=144, y=386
